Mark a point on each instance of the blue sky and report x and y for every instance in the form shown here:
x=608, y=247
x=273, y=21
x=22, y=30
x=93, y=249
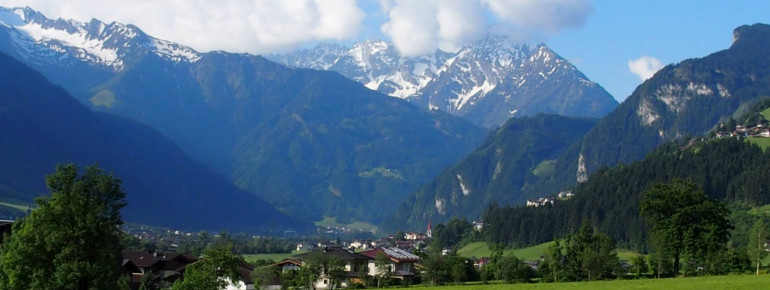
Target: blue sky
x=600, y=37
x=671, y=31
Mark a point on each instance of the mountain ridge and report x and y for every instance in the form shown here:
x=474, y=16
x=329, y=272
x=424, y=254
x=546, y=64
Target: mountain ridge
x=486, y=82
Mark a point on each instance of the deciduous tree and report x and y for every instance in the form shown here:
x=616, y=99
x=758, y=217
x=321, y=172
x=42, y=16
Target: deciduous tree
x=685, y=222
x=217, y=269
x=72, y=240
x=757, y=239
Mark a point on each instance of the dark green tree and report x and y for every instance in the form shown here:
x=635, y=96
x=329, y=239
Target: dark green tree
x=639, y=266
x=589, y=255
x=215, y=270
x=552, y=265
x=514, y=270
x=72, y=240
x=685, y=223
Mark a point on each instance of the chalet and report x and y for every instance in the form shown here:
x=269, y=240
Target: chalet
x=354, y=265
x=157, y=268
x=564, y=195
x=478, y=226
x=288, y=265
x=245, y=282
x=402, y=263
x=540, y=201
x=413, y=236
x=480, y=262
x=306, y=247
x=362, y=245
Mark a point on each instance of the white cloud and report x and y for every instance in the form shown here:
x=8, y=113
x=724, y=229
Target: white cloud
x=418, y=27
x=540, y=18
x=263, y=26
x=644, y=67
x=256, y=26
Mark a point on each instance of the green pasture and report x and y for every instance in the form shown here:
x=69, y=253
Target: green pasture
x=695, y=283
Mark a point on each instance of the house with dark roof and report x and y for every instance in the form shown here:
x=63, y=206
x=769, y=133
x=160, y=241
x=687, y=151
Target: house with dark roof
x=156, y=268
x=402, y=263
x=288, y=265
x=355, y=264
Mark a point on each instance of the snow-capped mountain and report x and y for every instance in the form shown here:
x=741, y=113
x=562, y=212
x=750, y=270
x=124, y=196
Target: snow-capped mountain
x=66, y=42
x=486, y=82
x=375, y=63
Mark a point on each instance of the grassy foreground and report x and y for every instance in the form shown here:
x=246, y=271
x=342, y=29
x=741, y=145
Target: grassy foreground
x=697, y=283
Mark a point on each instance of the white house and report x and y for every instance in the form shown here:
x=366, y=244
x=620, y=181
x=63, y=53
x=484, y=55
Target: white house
x=402, y=263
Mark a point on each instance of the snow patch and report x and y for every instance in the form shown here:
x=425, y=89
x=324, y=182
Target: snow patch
x=440, y=205
x=498, y=170
x=463, y=98
x=173, y=51
x=465, y=190
x=582, y=174
x=87, y=48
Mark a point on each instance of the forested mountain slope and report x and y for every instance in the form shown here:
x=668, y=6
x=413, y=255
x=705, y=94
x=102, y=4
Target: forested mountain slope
x=42, y=126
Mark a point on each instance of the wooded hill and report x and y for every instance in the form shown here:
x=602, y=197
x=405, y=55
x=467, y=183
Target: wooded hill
x=727, y=169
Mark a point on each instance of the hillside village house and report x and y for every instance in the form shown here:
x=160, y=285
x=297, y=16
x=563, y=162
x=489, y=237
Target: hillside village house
x=161, y=269
x=354, y=264
x=402, y=263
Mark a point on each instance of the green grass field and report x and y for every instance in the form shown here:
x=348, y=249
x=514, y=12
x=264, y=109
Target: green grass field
x=332, y=222
x=765, y=209
x=275, y=257
x=544, y=168
x=533, y=253
x=766, y=114
x=480, y=249
x=697, y=283
x=763, y=143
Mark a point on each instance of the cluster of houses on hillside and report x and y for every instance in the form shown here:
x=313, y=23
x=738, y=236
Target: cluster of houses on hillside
x=564, y=195
x=761, y=130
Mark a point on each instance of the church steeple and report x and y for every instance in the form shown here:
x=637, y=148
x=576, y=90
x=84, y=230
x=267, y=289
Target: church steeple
x=429, y=232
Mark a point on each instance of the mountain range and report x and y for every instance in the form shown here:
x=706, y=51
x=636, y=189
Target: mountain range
x=486, y=82
x=312, y=143
x=44, y=126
